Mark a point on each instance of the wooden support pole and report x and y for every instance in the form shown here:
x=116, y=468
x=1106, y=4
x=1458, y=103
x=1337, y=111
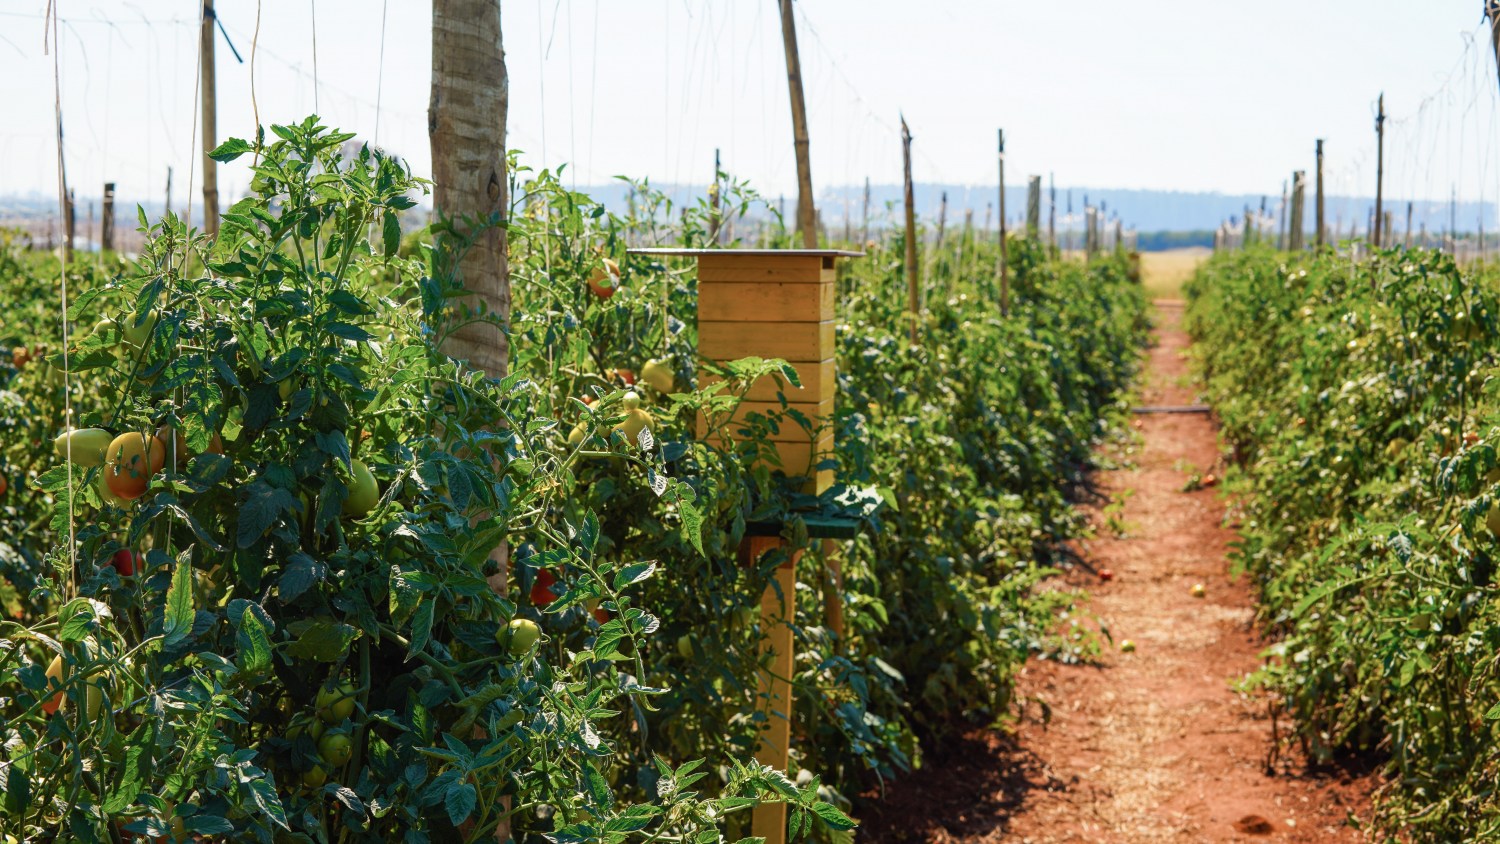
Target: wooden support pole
x=1281, y=219
x=1294, y=214
x=1034, y=208
x=210, y=122
x=942, y=219
x=913, y=280
x=777, y=614
x=1408, y=224
x=1004, y=249
x=833, y=593
x=167, y=209
x=714, y=221
x=1052, y=213
x=806, y=217
x=1322, y=232
x=864, y=227
x=107, y=219
x=70, y=221
x=1379, y=169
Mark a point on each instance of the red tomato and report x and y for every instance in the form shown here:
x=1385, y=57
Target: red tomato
x=1106, y=575
x=541, y=588
x=125, y=562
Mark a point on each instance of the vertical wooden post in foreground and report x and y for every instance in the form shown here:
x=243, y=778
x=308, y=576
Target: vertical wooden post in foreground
x=1294, y=215
x=775, y=303
x=107, y=219
x=1322, y=233
x=1375, y=234
x=1004, y=257
x=806, y=217
x=210, y=122
x=913, y=281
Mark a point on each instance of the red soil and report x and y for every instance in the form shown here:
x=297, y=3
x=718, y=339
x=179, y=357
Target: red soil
x=1149, y=746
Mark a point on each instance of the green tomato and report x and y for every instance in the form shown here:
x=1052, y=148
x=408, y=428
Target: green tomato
x=364, y=492
x=136, y=335
x=636, y=419
x=658, y=373
x=315, y=777
x=88, y=446
x=313, y=727
x=685, y=646
x=335, y=748
x=519, y=636
x=632, y=400
x=335, y=703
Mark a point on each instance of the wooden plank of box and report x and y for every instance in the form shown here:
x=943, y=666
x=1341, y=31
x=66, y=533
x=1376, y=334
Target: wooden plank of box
x=801, y=269
x=787, y=428
x=818, y=379
x=768, y=301
x=793, y=341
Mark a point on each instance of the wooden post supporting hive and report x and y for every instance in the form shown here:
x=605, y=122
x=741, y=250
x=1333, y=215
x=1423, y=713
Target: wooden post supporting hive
x=775, y=303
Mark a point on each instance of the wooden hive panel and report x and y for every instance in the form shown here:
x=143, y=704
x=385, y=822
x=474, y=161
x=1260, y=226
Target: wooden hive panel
x=797, y=458
x=787, y=428
x=801, y=269
x=764, y=301
x=791, y=341
x=818, y=379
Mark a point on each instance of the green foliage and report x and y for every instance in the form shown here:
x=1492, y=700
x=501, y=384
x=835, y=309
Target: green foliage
x=1359, y=399
x=310, y=335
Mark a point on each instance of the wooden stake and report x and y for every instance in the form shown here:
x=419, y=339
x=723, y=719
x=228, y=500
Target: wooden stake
x=713, y=203
x=864, y=228
x=1379, y=168
x=806, y=217
x=1408, y=224
x=70, y=220
x=167, y=209
x=1322, y=230
x=1052, y=212
x=1004, y=257
x=107, y=220
x=913, y=282
x=210, y=122
x=942, y=219
x=1294, y=214
x=1281, y=220
x=1034, y=208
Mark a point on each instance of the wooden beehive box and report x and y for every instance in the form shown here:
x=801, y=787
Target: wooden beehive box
x=774, y=303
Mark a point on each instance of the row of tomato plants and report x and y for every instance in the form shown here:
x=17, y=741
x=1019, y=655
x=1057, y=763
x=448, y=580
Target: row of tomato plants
x=1359, y=401
x=259, y=602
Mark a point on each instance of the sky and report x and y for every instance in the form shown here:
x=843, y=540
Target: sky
x=1165, y=94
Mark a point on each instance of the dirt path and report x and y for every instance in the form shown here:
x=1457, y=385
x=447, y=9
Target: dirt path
x=1154, y=745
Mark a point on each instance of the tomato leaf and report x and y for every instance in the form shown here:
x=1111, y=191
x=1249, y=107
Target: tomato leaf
x=230, y=150
x=323, y=641
x=459, y=801
x=177, y=620
x=253, y=652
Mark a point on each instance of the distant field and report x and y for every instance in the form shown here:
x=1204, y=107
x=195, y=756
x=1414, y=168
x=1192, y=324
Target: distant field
x=1163, y=273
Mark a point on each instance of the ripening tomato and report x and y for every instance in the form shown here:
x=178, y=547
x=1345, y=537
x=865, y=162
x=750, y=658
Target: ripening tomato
x=605, y=279
x=4, y=485
x=541, y=588
x=130, y=462
x=54, y=678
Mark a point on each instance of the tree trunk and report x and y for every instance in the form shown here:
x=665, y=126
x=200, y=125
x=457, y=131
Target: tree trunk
x=466, y=128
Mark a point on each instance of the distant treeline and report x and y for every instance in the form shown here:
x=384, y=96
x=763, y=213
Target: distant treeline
x=1160, y=241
